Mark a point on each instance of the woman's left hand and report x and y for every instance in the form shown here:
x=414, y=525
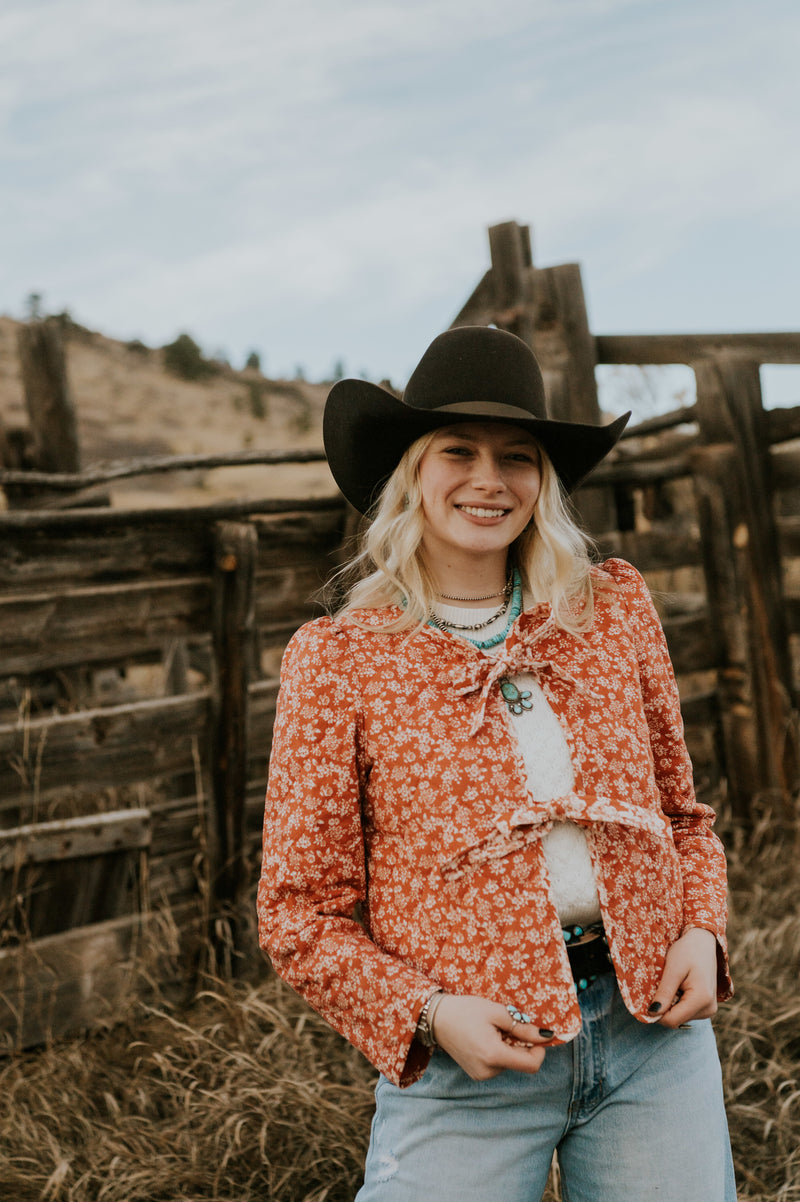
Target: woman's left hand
x=688, y=987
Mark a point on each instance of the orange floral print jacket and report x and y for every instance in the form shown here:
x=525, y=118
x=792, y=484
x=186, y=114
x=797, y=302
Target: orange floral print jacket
x=396, y=788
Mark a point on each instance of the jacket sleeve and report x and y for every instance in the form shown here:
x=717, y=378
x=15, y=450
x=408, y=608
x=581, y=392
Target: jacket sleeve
x=702, y=856
x=313, y=871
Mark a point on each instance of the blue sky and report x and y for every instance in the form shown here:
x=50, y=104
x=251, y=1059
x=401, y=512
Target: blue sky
x=314, y=178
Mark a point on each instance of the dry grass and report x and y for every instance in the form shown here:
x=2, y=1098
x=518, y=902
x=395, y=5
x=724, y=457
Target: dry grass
x=759, y=1031
x=248, y=1096
x=245, y=1098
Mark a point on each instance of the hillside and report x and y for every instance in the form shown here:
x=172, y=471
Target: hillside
x=129, y=405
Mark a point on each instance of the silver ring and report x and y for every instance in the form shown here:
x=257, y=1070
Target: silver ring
x=518, y=1016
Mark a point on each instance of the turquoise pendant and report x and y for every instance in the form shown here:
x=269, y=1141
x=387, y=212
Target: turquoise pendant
x=516, y=700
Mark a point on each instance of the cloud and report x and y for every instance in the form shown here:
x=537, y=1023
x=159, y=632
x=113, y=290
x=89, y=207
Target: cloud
x=180, y=163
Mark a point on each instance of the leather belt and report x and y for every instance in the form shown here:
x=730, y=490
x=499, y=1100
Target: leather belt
x=589, y=958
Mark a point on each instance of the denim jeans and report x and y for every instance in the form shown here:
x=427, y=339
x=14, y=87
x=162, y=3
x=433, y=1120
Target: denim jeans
x=634, y=1112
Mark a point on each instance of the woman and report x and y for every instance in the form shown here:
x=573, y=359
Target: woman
x=484, y=862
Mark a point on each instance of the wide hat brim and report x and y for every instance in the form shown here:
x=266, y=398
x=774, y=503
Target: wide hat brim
x=366, y=429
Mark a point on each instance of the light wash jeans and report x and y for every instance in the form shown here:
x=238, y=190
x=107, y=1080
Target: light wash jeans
x=634, y=1111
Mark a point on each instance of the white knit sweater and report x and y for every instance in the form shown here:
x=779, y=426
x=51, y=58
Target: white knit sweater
x=548, y=767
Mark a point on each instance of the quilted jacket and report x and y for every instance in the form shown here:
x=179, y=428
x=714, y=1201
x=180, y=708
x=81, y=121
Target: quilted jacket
x=402, y=850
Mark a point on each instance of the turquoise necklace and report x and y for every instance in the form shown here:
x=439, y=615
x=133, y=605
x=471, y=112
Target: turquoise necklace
x=514, y=610
x=517, y=700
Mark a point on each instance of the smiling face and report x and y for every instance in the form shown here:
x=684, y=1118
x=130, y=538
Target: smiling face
x=480, y=482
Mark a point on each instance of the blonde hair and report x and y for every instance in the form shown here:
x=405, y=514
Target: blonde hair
x=553, y=554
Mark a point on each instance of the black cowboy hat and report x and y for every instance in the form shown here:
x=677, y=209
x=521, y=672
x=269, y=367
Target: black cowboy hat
x=467, y=374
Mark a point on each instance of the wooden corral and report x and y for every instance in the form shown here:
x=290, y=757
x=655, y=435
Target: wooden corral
x=141, y=648
x=140, y=653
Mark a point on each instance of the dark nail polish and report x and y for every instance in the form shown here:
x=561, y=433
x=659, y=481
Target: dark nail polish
x=654, y=1008
x=546, y=1033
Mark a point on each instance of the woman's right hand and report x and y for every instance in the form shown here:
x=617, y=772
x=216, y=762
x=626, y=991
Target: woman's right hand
x=478, y=1035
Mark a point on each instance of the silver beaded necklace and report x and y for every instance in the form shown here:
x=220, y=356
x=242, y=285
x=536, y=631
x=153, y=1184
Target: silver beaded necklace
x=440, y=622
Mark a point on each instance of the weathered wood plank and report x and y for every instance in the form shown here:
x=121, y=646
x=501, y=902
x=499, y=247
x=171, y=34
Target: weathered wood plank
x=107, y=589
x=72, y=838
x=112, y=745
x=178, y=878
x=654, y=549
x=298, y=536
x=510, y=250
x=716, y=474
x=306, y=524
x=666, y=446
x=186, y=515
x=273, y=635
x=44, y=556
x=62, y=983
x=789, y=535
x=179, y=866
x=691, y=646
x=783, y=424
x=746, y=419
x=79, y=554
x=71, y=479
x=57, y=895
x=82, y=625
x=178, y=825
x=179, y=847
x=565, y=349
x=289, y=594
x=51, y=412
x=793, y=613
x=660, y=422
x=261, y=715
x=479, y=309
x=784, y=467
x=640, y=474
x=690, y=348
x=234, y=627
x=263, y=694
x=787, y=502
x=741, y=563
x=701, y=709
x=563, y=340
x=94, y=655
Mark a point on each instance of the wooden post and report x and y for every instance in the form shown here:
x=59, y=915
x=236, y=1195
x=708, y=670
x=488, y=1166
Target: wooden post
x=564, y=342
x=233, y=617
x=545, y=307
x=565, y=348
x=510, y=249
x=176, y=667
x=51, y=413
x=743, y=580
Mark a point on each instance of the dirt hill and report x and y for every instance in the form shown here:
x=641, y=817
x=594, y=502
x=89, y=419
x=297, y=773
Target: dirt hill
x=129, y=405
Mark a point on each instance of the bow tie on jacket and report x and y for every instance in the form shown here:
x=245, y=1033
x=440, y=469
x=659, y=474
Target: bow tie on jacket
x=512, y=830
x=482, y=672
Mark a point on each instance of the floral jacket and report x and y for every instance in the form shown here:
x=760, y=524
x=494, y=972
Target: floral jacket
x=402, y=850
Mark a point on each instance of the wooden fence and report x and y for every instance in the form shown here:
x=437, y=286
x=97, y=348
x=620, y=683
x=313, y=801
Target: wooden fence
x=118, y=810
x=140, y=653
